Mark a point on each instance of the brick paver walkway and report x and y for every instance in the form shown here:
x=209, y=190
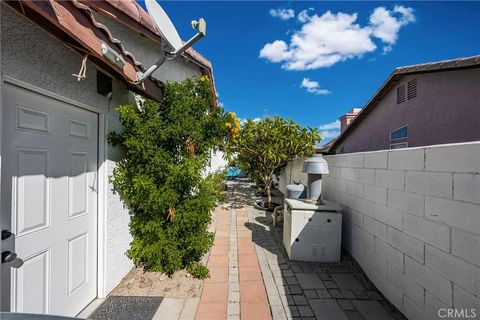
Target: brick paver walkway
x=253, y=279
x=235, y=289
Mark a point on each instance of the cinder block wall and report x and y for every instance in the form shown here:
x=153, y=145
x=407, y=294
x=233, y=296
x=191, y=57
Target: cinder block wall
x=411, y=218
x=290, y=173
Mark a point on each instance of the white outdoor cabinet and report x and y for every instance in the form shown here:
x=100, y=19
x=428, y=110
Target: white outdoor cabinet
x=312, y=232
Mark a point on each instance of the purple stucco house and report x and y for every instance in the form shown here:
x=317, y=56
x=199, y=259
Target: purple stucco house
x=419, y=105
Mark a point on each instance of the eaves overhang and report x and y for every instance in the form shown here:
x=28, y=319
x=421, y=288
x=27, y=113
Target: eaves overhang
x=73, y=24
x=132, y=15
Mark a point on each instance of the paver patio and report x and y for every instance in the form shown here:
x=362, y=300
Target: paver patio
x=271, y=286
x=251, y=277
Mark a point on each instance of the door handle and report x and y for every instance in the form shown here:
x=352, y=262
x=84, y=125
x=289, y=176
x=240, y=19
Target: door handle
x=6, y=234
x=8, y=256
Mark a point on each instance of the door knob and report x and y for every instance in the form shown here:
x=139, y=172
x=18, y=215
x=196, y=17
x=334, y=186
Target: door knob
x=6, y=234
x=8, y=256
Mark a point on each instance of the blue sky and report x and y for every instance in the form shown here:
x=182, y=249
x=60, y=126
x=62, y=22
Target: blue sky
x=262, y=52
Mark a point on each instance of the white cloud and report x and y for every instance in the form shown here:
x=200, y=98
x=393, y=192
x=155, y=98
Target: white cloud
x=330, y=38
x=282, y=14
x=313, y=87
x=276, y=51
x=330, y=130
x=387, y=23
x=242, y=121
x=303, y=15
x=330, y=125
x=330, y=134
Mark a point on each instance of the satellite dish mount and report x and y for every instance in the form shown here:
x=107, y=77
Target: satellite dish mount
x=174, y=45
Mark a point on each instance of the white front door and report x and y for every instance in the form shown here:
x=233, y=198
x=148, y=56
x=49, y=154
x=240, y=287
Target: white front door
x=49, y=203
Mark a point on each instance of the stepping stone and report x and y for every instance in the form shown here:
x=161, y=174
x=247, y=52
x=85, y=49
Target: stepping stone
x=348, y=294
x=295, y=289
x=300, y=300
x=335, y=293
x=305, y=311
x=310, y=294
x=323, y=294
x=346, y=304
x=330, y=284
x=309, y=281
x=292, y=311
x=170, y=308
x=327, y=309
x=347, y=281
x=372, y=310
x=190, y=309
x=291, y=280
x=354, y=315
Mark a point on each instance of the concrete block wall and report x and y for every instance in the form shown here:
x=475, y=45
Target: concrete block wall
x=290, y=173
x=411, y=218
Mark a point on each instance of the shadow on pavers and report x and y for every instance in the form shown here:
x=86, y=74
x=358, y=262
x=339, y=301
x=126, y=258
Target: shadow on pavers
x=306, y=300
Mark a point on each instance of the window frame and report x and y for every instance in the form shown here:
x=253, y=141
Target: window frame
x=399, y=143
x=395, y=139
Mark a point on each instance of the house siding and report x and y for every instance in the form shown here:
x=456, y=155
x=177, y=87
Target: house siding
x=445, y=110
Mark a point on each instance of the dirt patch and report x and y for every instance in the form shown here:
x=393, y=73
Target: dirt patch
x=140, y=283
x=155, y=284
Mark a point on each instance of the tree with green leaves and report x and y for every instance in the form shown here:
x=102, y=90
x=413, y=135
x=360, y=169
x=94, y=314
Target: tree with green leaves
x=264, y=147
x=161, y=181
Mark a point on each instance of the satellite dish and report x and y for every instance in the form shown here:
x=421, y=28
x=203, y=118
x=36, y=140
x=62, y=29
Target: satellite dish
x=164, y=25
x=174, y=45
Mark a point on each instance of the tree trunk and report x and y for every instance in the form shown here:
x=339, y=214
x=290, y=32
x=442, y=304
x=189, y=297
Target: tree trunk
x=268, y=191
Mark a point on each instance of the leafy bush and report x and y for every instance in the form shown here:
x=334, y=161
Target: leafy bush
x=160, y=180
x=198, y=271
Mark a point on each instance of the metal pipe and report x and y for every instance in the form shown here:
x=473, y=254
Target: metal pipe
x=141, y=76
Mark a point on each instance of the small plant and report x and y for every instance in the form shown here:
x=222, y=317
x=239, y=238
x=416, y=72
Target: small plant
x=198, y=271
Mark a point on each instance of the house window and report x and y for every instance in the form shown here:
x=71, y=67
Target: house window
x=401, y=94
x=398, y=134
x=401, y=145
x=412, y=89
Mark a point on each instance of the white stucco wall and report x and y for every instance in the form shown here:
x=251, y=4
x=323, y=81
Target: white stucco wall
x=32, y=55
x=217, y=162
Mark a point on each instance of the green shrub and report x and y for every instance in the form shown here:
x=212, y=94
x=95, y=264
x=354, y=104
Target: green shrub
x=198, y=271
x=160, y=180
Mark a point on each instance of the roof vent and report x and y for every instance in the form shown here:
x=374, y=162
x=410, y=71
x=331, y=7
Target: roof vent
x=412, y=89
x=401, y=94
